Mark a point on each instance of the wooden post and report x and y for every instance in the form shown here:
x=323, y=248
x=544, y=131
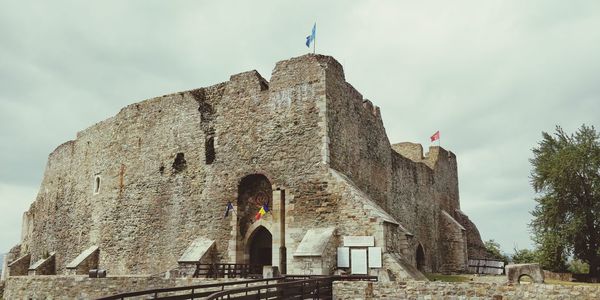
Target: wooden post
x=282, y=248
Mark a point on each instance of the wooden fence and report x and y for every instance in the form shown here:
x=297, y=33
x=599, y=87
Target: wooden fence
x=486, y=266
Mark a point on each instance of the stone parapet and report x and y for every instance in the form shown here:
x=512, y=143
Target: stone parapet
x=82, y=287
x=44, y=266
x=20, y=266
x=84, y=262
x=467, y=290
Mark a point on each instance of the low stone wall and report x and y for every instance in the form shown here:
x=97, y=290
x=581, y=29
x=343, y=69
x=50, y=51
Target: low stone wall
x=19, y=267
x=346, y=290
x=558, y=276
x=82, y=287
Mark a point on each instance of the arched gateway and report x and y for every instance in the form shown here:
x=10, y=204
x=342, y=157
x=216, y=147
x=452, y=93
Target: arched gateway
x=420, y=258
x=260, y=247
x=255, y=241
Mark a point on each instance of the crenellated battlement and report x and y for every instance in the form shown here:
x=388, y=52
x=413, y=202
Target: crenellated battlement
x=374, y=110
x=414, y=152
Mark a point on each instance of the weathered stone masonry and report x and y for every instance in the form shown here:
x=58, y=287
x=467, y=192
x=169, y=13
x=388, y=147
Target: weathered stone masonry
x=144, y=184
x=463, y=290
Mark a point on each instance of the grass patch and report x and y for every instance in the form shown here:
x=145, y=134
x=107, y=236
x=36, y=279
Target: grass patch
x=559, y=282
x=446, y=278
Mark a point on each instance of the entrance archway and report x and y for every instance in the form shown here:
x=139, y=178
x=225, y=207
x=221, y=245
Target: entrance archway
x=260, y=247
x=254, y=191
x=420, y=258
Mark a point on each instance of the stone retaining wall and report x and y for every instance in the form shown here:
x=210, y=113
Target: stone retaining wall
x=467, y=290
x=558, y=276
x=82, y=287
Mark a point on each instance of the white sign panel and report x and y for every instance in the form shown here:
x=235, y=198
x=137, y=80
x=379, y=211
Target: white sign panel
x=375, y=257
x=359, y=241
x=343, y=257
x=359, y=261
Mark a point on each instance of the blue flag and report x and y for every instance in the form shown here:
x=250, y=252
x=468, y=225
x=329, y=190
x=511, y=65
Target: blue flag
x=229, y=207
x=311, y=37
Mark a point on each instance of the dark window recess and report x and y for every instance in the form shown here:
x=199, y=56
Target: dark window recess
x=161, y=169
x=209, y=150
x=179, y=164
x=97, y=185
x=264, y=85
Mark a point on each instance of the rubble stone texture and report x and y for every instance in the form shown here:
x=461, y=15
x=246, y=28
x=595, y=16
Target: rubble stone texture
x=464, y=290
x=81, y=287
x=146, y=183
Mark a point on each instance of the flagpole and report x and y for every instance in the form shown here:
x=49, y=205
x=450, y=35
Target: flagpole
x=315, y=40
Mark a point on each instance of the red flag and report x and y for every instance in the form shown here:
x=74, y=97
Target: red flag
x=435, y=136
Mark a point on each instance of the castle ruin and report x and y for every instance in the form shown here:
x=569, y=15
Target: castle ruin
x=146, y=191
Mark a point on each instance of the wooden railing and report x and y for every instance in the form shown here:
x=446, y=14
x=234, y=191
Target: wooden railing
x=288, y=287
x=317, y=288
x=228, y=270
x=191, y=292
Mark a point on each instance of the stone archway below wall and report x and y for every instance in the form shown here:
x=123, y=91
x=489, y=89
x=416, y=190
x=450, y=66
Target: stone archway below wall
x=515, y=272
x=259, y=244
x=260, y=247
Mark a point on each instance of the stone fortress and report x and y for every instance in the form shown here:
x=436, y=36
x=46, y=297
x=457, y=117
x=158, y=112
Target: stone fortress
x=145, y=192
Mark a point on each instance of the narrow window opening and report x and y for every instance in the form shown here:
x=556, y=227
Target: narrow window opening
x=97, y=185
x=209, y=150
x=179, y=164
x=264, y=85
x=161, y=170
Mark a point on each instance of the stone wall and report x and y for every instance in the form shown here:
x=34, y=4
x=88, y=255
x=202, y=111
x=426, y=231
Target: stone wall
x=9, y=258
x=557, y=276
x=140, y=190
x=154, y=176
x=86, y=261
x=475, y=246
x=81, y=287
x=358, y=144
x=19, y=266
x=454, y=245
x=411, y=189
x=45, y=266
x=446, y=290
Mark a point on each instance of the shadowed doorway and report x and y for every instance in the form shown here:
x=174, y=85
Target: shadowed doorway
x=260, y=247
x=420, y=258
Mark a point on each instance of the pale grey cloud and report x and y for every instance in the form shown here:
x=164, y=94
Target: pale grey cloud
x=491, y=75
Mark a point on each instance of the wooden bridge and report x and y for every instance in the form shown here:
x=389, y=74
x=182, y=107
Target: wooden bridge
x=284, y=287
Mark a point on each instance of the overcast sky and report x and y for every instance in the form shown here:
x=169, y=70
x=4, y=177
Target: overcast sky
x=490, y=75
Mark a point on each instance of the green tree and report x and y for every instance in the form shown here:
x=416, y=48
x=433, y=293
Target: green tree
x=493, y=249
x=576, y=266
x=566, y=218
x=523, y=256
